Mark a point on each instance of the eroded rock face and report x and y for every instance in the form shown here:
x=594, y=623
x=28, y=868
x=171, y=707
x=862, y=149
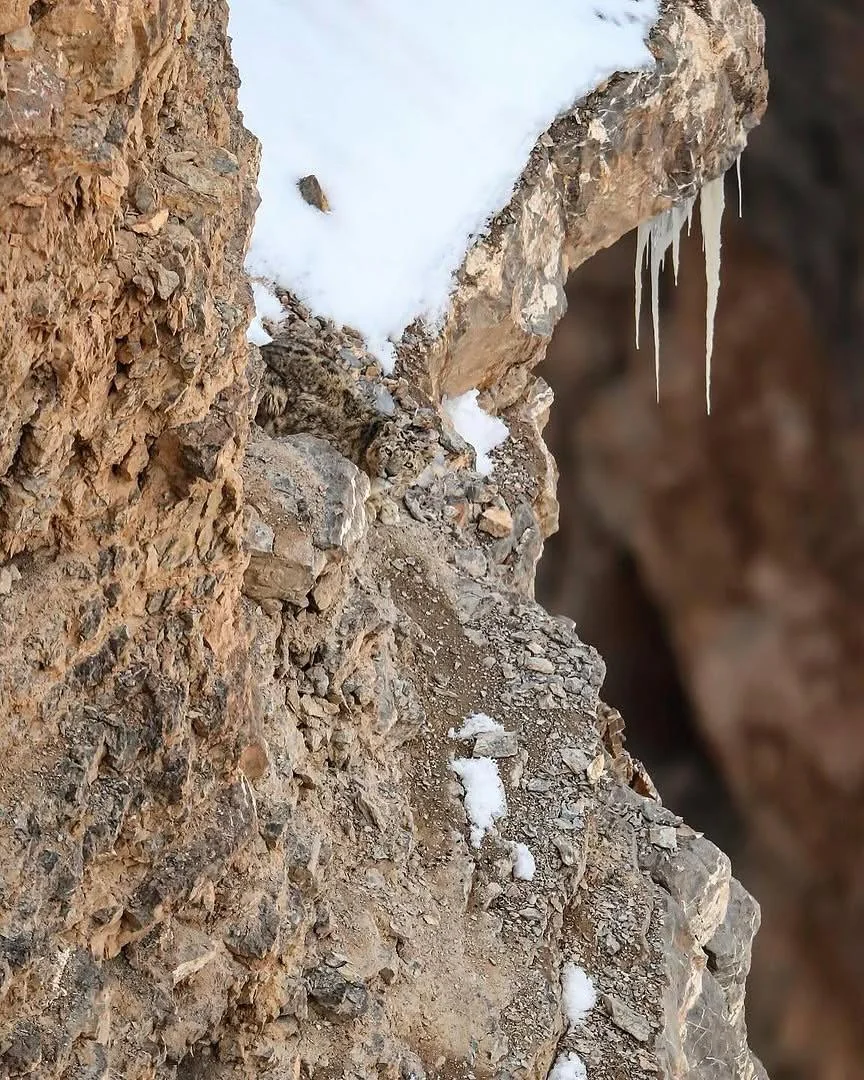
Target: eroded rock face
x=422, y=951
x=125, y=213
x=232, y=844
x=640, y=144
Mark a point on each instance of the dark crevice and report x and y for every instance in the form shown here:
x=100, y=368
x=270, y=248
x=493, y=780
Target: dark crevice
x=39, y=10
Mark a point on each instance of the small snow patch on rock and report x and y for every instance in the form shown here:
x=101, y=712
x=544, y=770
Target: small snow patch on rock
x=524, y=866
x=568, y=1067
x=578, y=993
x=480, y=430
x=485, y=800
x=475, y=724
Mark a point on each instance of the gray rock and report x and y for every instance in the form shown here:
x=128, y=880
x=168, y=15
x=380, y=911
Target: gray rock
x=308, y=511
x=339, y=998
x=496, y=744
x=575, y=760
x=471, y=561
x=698, y=875
x=626, y=1018
x=167, y=282
x=663, y=836
x=257, y=936
x=729, y=950
x=539, y=664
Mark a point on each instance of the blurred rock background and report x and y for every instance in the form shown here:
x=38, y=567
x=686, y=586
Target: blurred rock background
x=718, y=563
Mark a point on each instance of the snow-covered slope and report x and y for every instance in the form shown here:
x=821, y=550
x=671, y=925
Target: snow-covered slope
x=417, y=120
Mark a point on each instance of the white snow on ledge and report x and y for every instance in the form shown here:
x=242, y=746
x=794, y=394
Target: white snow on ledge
x=417, y=120
x=479, y=429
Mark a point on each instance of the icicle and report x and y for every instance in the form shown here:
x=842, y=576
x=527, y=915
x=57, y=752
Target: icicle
x=643, y=234
x=740, y=188
x=680, y=217
x=661, y=238
x=656, y=260
x=680, y=214
x=665, y=231
x=711, y=213
x=653, y=241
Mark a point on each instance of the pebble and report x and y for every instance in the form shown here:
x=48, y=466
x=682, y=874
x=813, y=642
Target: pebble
x=167, y=281
x=496, y=521
x=312, y=192
x=538, y=784
x=626, y=1019
x=566, y=851
x=596, y=769
x=496, y=744
x=663, y=836
x=388, y=512
x=575, y=760
x=539, y=664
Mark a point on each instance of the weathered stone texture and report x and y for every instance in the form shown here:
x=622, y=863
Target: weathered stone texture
x=637, y=145
x=231, y=842
x=125, y=206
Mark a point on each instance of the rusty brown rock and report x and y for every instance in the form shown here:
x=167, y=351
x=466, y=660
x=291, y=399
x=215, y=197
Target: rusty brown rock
x=312, y=192
x=14, y=16
x=231, y=843
x=496, y=521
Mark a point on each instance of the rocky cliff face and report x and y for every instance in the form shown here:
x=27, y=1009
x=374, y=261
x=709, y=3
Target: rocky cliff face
x=232, y=844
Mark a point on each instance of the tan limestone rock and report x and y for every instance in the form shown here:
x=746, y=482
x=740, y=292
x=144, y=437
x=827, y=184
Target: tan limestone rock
x=232, y=843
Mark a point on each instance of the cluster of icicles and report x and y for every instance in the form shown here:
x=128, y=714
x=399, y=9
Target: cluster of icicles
x=654, y=240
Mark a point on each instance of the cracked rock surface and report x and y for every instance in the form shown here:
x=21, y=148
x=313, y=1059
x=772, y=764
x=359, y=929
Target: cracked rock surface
x=232, y=845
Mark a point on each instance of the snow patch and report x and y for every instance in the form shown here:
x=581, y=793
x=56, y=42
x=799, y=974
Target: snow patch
x=578, y=992
x=480, y=430
x=568, y=1067
x=256, y=334
x=267, y=306
x=476, y=724
x=416, y=120
x=524, y=866
x=485, y=800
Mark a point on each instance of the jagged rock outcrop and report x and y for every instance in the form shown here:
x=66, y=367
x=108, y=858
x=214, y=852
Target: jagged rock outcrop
x=231, y=842
x=635, y=147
